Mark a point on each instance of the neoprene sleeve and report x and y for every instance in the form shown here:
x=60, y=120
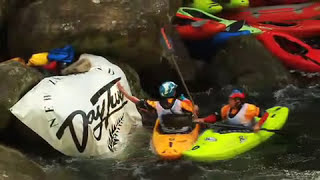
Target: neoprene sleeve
x=212, y=118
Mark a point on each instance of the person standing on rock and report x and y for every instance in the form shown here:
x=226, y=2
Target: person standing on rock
x=237, y=112
x=168, y=104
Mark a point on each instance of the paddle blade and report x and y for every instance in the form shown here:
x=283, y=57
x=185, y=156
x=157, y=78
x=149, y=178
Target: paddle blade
x=236, y=26
x=166, y=41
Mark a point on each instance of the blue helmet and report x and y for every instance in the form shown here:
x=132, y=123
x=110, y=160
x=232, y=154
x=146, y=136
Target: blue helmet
x=168, y=89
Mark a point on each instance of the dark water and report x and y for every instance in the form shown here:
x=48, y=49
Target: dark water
x=294, y=155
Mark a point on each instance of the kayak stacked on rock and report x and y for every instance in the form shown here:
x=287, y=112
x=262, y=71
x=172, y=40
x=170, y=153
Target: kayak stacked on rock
x=291, y=51
x=276, y=13
x=287, y=28
x=216, y=6
x=255, y=3
x=298, y=29
x=200, y=28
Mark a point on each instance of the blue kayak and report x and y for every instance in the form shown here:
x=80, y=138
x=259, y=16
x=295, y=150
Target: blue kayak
x=223, y=37
x=204, y=49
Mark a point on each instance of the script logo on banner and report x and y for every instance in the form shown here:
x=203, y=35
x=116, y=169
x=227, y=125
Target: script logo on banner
x=115, y=103
x=79, y=119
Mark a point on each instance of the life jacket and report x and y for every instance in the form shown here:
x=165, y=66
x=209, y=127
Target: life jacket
x=245, y=115
x=174, y=109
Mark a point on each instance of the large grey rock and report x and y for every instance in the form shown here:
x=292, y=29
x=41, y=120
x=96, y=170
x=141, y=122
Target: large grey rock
x=247, y=63
x=3, y=18
x=133, y=80
x=3, y=11
x=16, y=80
x=14, y=165
x=25, y=138
x=127, y=29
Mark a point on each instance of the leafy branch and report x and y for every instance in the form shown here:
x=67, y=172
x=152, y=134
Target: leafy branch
x=113, y=133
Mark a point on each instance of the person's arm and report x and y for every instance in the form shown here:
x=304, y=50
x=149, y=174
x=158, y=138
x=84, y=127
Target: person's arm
x=257, y=127
x=133, y=99
x=209, y=119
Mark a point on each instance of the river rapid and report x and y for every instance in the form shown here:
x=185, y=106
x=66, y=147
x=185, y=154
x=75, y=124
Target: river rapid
x=292, y=155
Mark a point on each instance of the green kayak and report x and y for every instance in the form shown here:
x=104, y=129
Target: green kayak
x=208, y=6
x=213, y=146
x=232, y=4
x=197, y=13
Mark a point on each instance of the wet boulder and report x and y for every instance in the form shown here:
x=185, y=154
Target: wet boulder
x=15, y=165
x=246, y=63
x=3, y=10
x=3, y=17
x=133, y=80
x=127, y=29
x=16, y=80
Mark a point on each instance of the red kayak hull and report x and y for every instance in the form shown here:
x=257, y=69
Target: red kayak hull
x=291, y=51
x=279, y=13
x=299, y=29
x=256, y=3
x=206, y=31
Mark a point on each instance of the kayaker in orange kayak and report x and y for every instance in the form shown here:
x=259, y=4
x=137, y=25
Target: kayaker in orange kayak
x=237, y=112
x=169, y=104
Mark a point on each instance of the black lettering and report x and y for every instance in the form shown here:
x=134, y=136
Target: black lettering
x=47, y=97
x=48, y=109
x=111, y=71
x=100, y=113
x=52, y=123
x=95, y=98
x=52, y=82
x=69, y=123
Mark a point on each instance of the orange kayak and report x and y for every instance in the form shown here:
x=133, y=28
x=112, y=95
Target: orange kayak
x=171, y=146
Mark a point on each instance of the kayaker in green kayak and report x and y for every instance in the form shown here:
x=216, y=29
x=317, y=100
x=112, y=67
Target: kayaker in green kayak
x=237, y=112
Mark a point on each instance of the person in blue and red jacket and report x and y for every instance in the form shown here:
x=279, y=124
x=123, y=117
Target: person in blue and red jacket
x=237, y=112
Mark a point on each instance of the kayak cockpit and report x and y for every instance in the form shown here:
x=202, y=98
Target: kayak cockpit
x=176, y=124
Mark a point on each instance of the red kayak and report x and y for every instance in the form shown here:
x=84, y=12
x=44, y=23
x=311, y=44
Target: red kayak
x=196, y=28
x=278, y=13
x=299, y=29
x=255, y=3
x=291, y=51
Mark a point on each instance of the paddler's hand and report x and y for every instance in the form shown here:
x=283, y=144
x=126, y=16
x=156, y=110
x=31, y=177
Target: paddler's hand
x=199, y=120
x=256, y=128
x=196, y=110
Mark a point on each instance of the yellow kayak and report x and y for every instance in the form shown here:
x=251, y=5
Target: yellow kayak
x=171, y=146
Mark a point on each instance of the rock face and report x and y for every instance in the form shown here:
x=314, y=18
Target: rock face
x=16, y=80
x=3, y=10
x=246, y=63
x=127, y=29
x=3, y=16
x=14, y=165
x=133, y=80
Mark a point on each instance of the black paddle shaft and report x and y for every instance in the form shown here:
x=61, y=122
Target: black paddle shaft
x=241, y=127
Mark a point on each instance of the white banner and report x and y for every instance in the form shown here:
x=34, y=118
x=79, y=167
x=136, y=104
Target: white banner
x=83, y=114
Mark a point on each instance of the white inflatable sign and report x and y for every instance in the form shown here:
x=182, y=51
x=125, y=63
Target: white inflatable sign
x=83, y=114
